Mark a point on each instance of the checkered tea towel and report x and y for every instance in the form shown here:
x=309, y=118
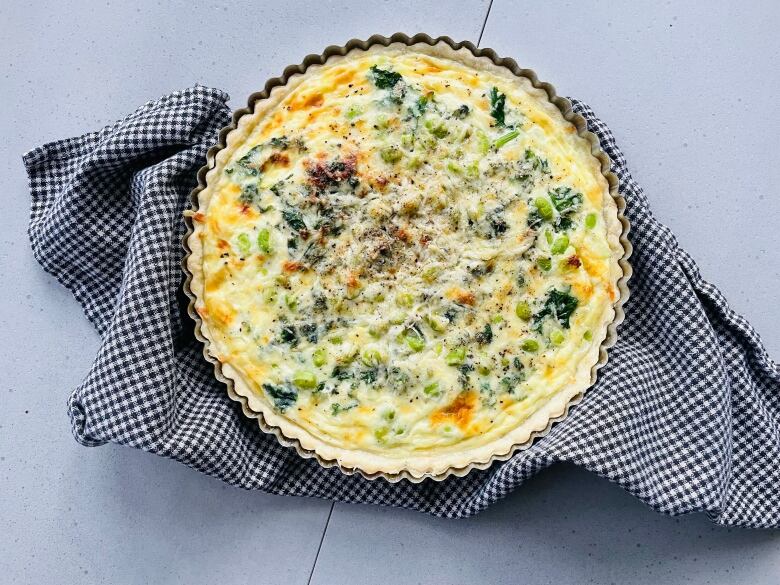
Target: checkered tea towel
x=685, y=415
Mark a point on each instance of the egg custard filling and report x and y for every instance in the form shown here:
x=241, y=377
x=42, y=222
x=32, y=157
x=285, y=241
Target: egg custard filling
x=406, y=261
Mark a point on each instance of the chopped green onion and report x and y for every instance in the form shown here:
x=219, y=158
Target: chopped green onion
x=264, y=241
x=456, y=356
x=404, y=300
x=244, y=244
x=353, y=112
x=291, y=302
x=436, y=322
x=336, y=340
x=269, y=295
x=508, y=137
x=415, y=342
x=319, y=357
x=431, y=389
x=454, y=168
x=371, y=357
x=438, y=130
x=381, y=433
x=430, y=274
x=304, y=379
x=544, y=263
x=483, y=141
x=391, y=154
x=560, y=245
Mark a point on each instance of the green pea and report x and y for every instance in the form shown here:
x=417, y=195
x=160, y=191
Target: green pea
x=483, y=369
x=336, y=340
x=560, y=245
x=244, y=244
x=497, y=319
x=544, y=207
x=389, y=415
x=530, y=345
x=548, y=236
x=407, y=140
x=456, y=356
x=544, y=263
x=587, y=336
x=304, y=379
x=523, y=311
x=557, y=337
x=391, y=155
x=319, y=357
x=590, y=221
x=264, y=241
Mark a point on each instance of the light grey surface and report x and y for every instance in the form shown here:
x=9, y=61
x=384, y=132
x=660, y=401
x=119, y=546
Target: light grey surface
x=689, y=92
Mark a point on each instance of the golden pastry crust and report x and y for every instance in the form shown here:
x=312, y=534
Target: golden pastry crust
x=406, y=260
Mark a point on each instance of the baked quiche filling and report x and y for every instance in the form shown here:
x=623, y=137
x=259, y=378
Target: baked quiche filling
x=407, y=256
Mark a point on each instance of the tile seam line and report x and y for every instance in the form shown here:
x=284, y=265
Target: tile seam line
x=484, y=23
x=319, y=548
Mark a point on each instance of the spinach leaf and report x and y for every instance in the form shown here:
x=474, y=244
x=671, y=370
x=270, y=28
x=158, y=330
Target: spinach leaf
x=461, y=112
x=340, y=373
x=419, y=107
x=383, y=78
x=309, y=331
x=565, y=199
x=369, y=376
x=497, y=105
x=294, y=219
x=485, y=336
x=280, y=142
x=288, y=334
x=283, y=396
x=249, y=194
x=558, y=305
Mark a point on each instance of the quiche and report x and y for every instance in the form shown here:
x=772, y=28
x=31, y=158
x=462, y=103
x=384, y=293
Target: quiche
x=406, y=260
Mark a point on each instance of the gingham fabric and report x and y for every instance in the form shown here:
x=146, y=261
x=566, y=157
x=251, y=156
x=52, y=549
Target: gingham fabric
x=685, y=416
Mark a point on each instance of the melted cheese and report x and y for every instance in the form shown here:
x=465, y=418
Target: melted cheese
x=397, y=271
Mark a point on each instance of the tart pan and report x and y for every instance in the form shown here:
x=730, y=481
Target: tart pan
x=565, y=108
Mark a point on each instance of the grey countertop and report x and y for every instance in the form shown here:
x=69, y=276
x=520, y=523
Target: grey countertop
x=689, y=90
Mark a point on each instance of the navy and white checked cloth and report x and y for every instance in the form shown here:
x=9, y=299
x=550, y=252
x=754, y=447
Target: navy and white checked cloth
x=685, y=415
